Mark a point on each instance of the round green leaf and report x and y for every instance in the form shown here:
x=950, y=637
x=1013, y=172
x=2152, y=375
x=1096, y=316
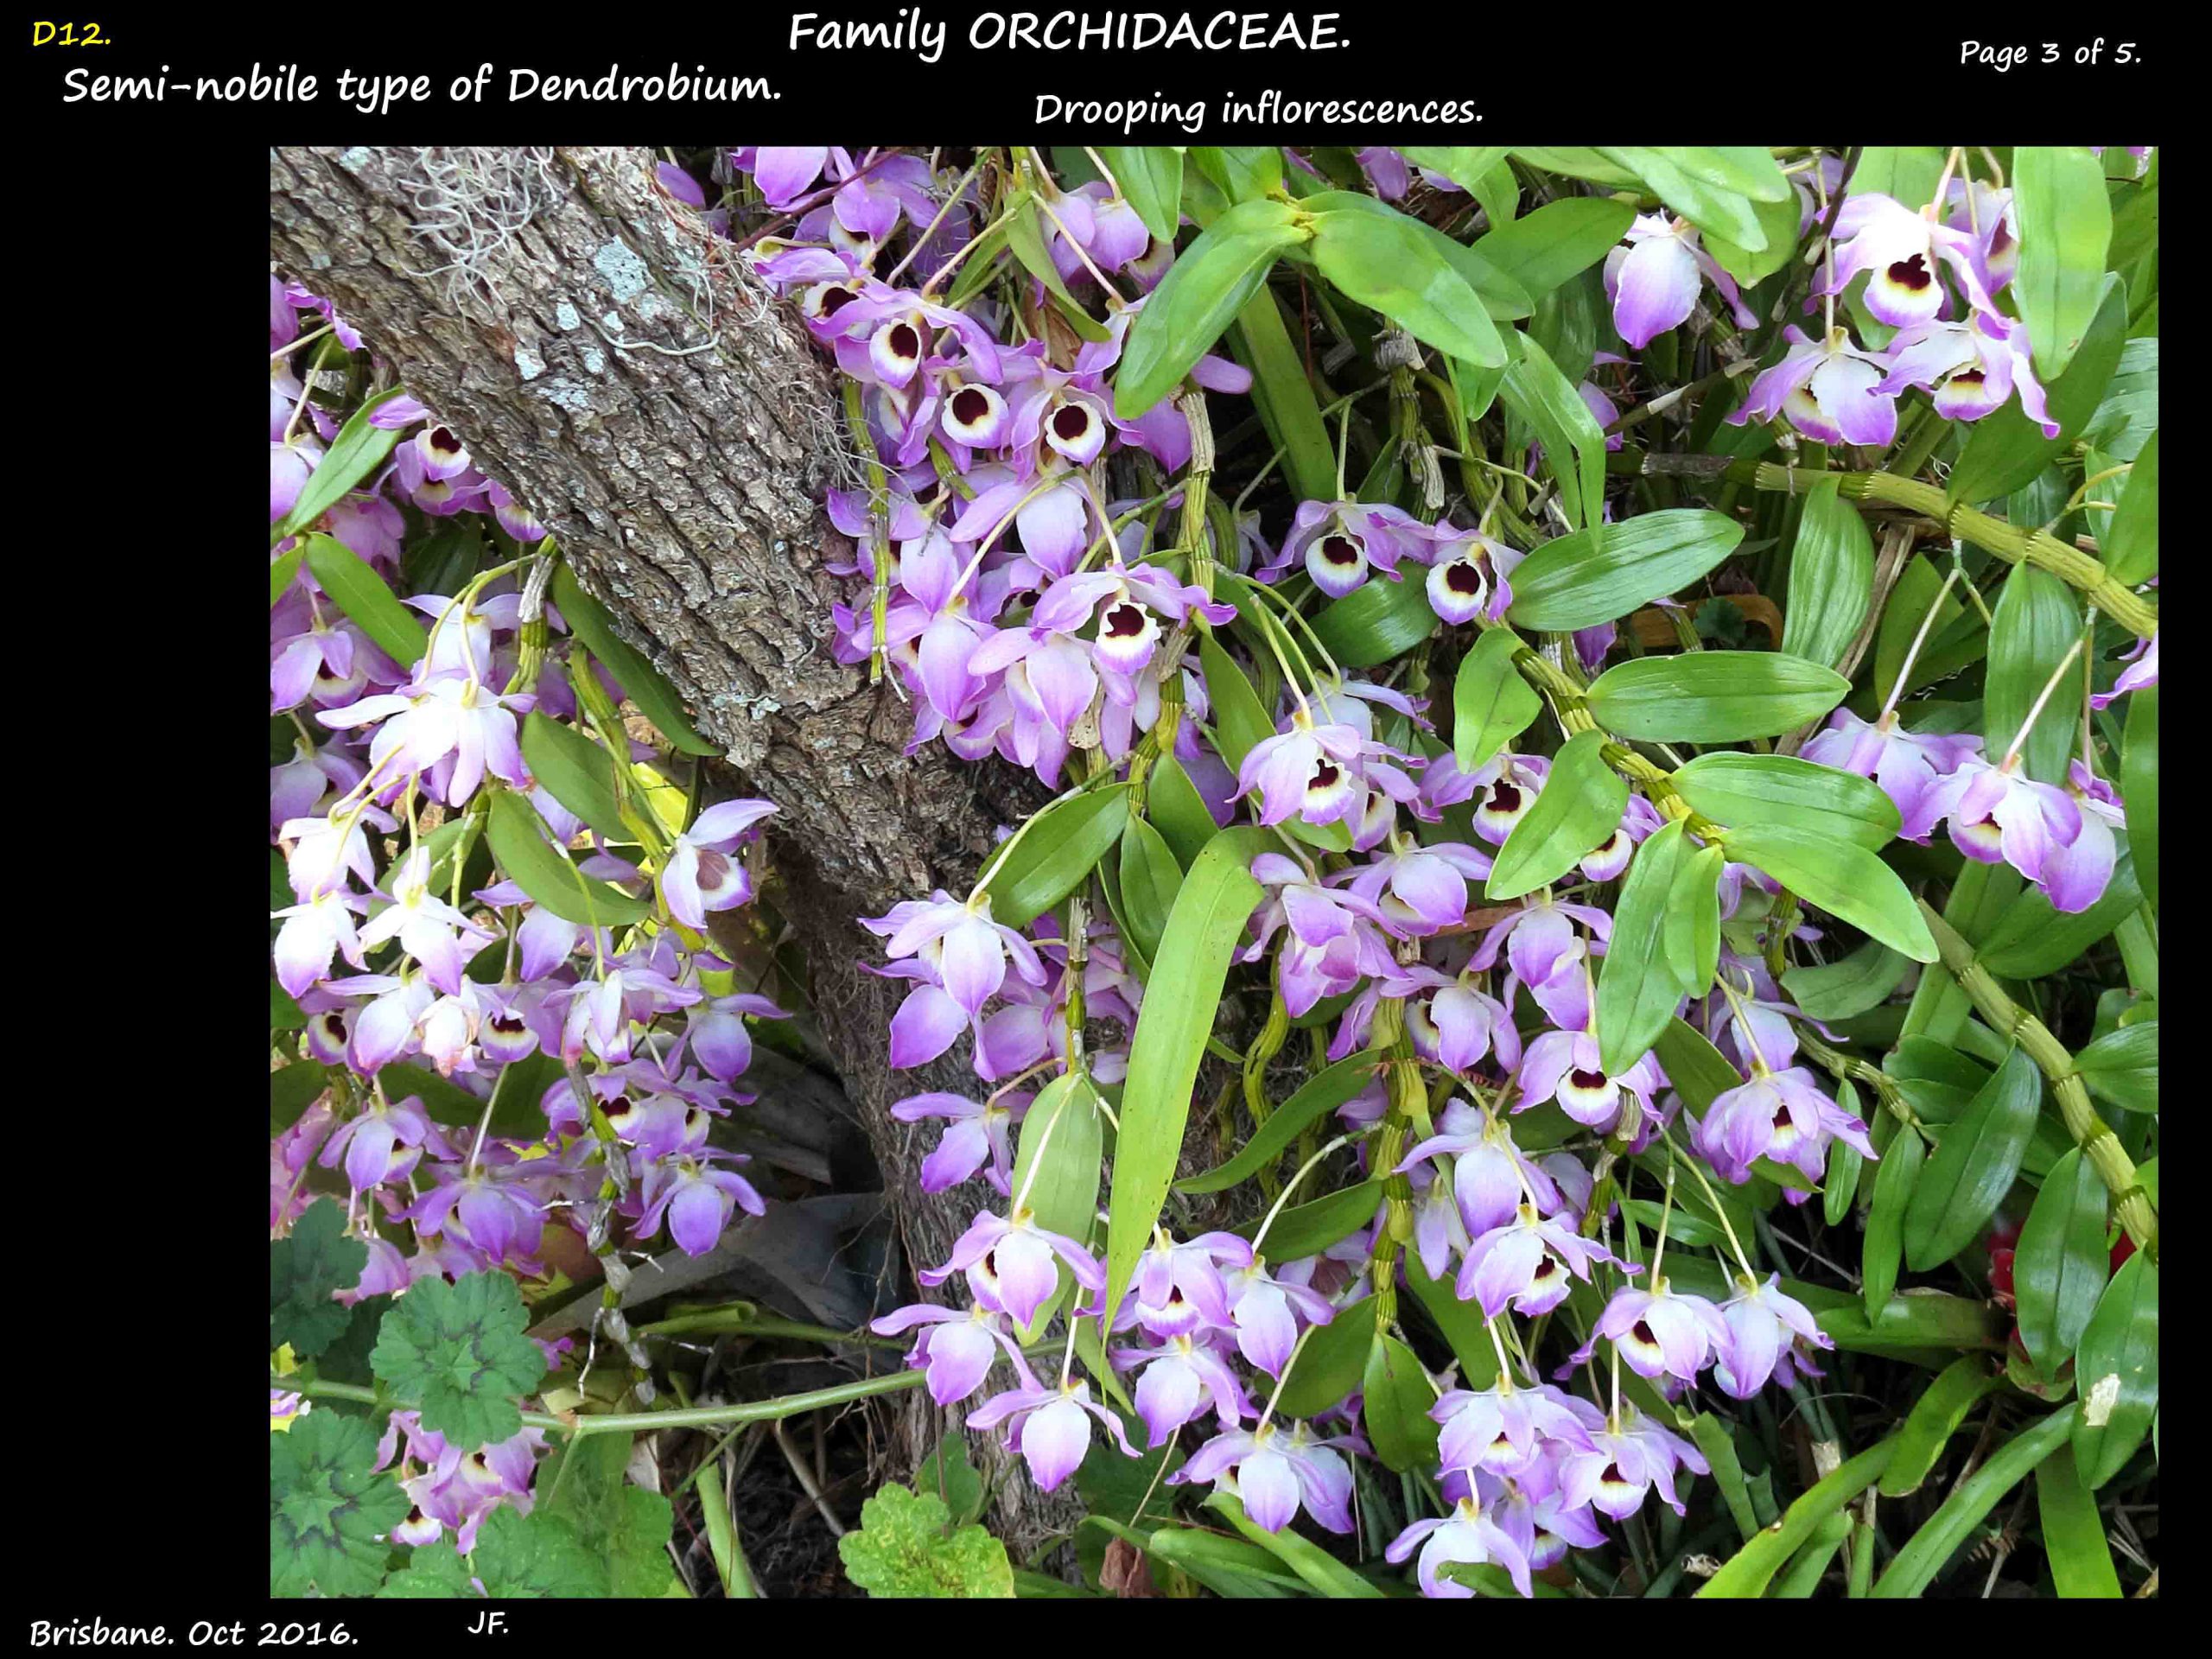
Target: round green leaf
x=1149, y=877
x=1319, y=1094
x=355, y=588
x=575, y=772
x=1375, y=622
x=2036, y=623
x=643, y=683
x=1883, y=1248
x=2074, y=1533
x=2065, y=219
x=1057, y=1164
x=1968, y=1504
x=1935, y=1417
x=1333, y=1363
x=1151, y=177
x=1395, y=1405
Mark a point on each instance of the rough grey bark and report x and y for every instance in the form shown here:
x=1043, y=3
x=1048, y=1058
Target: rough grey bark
x=646, y=399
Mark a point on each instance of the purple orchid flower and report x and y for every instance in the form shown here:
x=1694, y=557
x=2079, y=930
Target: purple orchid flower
x=430, y=931
x=486, y=1210
x=1972, y=368
x=1340, y=541
x=1623, y=1465
x=1465, y=565
x=386, y=1029
x=1539, y=941
x=1490, y=1176
x=1763, y=1324
x=1541, y=1522
x=596, y=1015
x=312, y=933
x=783, y=172
x=1660, y=1331
x=1417, y=890
x=1180, y=1380
x=1439, y=1231
x=1504, y=787
x=1653, y=282
x=2076, y=874
x=1753, y=1029
x=697, y=1199
x=1900, y=250
x=1565, y=1066
x=1050, y=1427
x=1273, y=1474
x=449, y=1027
x=453, y=729
x=1320, y=774
x=1456, y=1025
x=978, y=1135
x=298, y=786
x=1998, y=816
x=1334, y=938
x=383, y=1143
x=956, y=1349
x=1386, y=170
x=1468, y=1535
x=960, y=956
x=700, y=874
x=1176, y=1286
x=1610, y=858
x=1780, y=1115
x=1009, y=1264
x=718, y=1036
x=1265, y=1310
x=1829, y=389
x=1527, y=1264
x=1505, y=1430
x=2142, y=670
x=1989, y=216
x=331, y=661
x=1908, y=765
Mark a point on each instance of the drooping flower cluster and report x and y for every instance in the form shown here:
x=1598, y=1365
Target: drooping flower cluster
x=1949, y=339
x=450, y=1011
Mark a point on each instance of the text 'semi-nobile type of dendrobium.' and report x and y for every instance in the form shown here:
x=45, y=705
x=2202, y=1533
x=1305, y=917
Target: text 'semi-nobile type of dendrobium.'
x=1473, y=934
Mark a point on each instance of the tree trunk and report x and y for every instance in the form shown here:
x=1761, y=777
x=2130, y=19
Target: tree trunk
x=607, y=359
